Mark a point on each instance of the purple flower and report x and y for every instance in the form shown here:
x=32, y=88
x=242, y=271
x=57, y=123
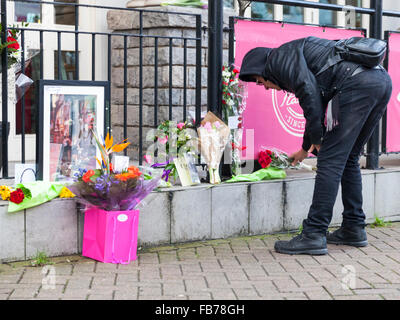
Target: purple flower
x=103, y=183
x=165, y=175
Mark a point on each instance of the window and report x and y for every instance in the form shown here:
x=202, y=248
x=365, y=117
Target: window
x=293, y=14
x=32, y=70
x=228, y=3
x=261, y=10
x=28, y=12
x=327, y=17
x=355, y=3
x=65, y=14
x=67, y=65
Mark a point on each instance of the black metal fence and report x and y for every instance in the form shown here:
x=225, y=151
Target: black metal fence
x=376, y=14
x=77, y=32
x=215, y=32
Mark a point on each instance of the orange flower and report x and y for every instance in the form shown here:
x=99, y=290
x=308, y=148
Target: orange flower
x=125, y=176
x=87, y=175
x=132, y=173
x=134, y=170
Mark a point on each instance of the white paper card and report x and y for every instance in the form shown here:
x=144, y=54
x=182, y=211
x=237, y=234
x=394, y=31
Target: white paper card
x=25, y=172
x=187, y=170
x=233, y=122
x=120, y=163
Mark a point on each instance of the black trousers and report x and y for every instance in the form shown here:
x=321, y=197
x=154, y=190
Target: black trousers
x=362, y=99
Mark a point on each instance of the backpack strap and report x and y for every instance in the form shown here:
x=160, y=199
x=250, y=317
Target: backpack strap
x=331, y=62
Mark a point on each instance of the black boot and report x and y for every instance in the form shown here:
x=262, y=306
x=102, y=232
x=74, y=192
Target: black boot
x=312, y=243
x=350, y=236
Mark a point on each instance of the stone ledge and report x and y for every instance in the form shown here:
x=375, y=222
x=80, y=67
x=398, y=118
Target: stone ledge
x=202, y=212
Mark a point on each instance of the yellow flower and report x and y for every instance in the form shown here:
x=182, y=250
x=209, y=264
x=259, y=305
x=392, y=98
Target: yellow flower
x=5, y=192
x=66, y=193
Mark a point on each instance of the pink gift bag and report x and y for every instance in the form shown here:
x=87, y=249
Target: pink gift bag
x=110, y=236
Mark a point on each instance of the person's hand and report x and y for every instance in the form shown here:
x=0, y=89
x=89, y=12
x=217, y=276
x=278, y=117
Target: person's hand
x=298, y=156
x=313, y=147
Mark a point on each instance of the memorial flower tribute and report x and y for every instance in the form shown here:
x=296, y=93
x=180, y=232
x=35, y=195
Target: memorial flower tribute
x=233, y=106
x=172, y=140
x=112, y=199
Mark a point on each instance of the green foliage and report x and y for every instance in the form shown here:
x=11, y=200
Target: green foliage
x=41, y=259
x=26, y=191
x=380, y=222
x=300, y=229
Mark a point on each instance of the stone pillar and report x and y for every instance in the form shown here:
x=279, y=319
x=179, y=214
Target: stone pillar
x=156, y=24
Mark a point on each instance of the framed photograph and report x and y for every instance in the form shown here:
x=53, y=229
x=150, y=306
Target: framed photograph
x=67, y=112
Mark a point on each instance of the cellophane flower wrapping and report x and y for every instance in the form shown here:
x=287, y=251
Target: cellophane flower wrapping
x=213, y=136
x=109, y=193
x=234, y=96
x=280, y=160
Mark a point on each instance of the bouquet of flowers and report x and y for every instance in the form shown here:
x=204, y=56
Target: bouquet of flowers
x=233, y=106
x=173, y=139
x=12, y=44
x=213, y=135
x=32, y=194
x=110, y=190
x=278, y=159
x=16, y=195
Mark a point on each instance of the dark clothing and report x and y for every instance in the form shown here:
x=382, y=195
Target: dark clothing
x=292, y=67
x=361, y=101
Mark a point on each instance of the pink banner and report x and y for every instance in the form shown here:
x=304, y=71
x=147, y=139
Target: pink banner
x=273, y=119
x=393, y=108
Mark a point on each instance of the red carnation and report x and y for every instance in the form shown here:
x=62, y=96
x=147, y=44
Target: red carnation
x=264, y=159
x=17, y=196
x=235, y=70
x=14, y=45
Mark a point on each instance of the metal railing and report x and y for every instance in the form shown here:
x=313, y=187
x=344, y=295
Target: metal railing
x=376, y=13
x=197, y=39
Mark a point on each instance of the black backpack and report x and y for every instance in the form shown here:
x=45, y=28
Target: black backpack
x=367, y=52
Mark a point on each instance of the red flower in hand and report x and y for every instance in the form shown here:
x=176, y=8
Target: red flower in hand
x=17, y=196
x=264, y=158
x=12, y=45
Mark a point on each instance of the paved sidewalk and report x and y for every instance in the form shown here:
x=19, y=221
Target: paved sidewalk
x=238, y=268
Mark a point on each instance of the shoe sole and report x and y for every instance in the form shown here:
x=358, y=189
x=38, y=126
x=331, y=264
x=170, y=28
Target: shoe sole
x=314, y=252
x=349, y=243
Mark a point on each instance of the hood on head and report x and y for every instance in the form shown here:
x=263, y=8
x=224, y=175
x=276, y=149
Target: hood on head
x=254, y=63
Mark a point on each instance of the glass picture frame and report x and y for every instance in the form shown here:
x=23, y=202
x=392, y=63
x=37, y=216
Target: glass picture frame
x=68, y=111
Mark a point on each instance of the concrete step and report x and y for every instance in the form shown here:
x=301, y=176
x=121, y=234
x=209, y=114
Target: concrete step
x=183, y=214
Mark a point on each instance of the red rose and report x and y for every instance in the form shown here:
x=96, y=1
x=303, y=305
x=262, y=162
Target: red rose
x=17, y=196
x=235, y=70
x=223, y=101
x=12, y=45
x=239, y=125
x=87, y=175
x=264, y=159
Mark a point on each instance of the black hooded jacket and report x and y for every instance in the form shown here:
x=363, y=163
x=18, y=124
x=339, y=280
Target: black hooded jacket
x=293, y=67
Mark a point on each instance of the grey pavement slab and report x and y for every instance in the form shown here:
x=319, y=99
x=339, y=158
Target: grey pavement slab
x=234, y=268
